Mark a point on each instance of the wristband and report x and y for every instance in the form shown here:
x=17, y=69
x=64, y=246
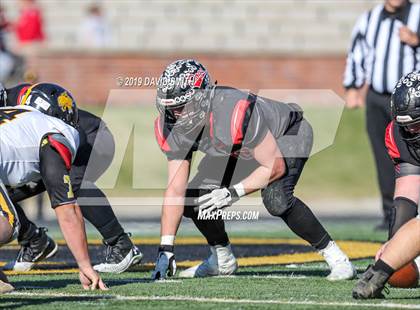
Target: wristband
x=240, y=190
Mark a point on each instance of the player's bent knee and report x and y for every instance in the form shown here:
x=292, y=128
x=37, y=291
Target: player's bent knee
x=276, y=200
x=403, y=210
x=6, y=231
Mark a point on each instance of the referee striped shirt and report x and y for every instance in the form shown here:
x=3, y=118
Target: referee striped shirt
x=377, y=56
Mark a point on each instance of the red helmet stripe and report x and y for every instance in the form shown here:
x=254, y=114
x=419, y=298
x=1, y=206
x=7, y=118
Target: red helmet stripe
x=198, y=78
x=21, y=93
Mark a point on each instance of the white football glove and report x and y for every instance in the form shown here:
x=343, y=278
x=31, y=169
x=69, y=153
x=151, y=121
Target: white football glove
x=165, y=265
x=217, y=199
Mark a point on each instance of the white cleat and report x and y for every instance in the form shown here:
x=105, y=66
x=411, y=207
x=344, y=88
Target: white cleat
x=340, y=266
x=5, y=286
x=221, y=262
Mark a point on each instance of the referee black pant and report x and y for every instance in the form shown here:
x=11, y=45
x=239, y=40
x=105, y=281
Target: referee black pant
x=378, y=116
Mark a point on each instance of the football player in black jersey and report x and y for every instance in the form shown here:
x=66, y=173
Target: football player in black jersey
x=39, y=141
x=402, y=139
x=250, y=143
x=36, y=245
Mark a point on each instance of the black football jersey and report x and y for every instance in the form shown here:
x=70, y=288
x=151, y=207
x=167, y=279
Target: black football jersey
x=398, y=149
x=238, y=121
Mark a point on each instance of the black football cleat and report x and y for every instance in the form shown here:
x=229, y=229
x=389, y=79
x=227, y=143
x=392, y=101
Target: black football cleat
x=120, y=256
x=32, y=251
x=371, y=284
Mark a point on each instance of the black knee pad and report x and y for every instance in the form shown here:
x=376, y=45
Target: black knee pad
x=403, y=210
x=276, y=200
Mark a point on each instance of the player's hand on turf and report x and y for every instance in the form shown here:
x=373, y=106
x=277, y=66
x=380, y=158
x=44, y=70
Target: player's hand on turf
x=91, y=280
x=217, y=199
x=165, y=264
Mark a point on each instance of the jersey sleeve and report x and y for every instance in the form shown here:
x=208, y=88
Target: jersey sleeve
x=391, y=144
x=167, y=143
x=55, y=164
x=247, y=124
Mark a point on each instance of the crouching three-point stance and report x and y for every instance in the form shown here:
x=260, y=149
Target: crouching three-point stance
x=250, y=143
x=97, y=143
x=36, y=146
x=402, y=139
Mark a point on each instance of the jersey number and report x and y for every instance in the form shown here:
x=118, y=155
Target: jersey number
x=7, y=115
x=66, y=179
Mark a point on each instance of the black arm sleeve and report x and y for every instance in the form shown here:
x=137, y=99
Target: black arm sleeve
x=25, y=192
x=55, y=176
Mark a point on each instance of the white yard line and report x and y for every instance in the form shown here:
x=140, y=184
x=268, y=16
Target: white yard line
x=379, y=304
x=262, y=277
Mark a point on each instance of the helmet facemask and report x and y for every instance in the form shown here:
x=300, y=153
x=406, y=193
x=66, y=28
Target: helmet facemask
x=188, y=116
x=410, y=132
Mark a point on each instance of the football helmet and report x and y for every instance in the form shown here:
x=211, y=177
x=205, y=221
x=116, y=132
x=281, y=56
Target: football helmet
x=184, y=92
x=53, y=100
x=405, y=107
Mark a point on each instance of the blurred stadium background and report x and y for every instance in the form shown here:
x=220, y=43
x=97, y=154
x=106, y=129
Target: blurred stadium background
x=253, y=45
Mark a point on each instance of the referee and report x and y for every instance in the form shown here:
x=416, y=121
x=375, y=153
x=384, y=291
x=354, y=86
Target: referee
x=385, y=46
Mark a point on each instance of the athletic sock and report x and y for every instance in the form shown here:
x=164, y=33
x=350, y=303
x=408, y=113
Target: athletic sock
x=304, y=223
x=27, y=229
x=380, y=265
x=213, y=230
x=101, y=216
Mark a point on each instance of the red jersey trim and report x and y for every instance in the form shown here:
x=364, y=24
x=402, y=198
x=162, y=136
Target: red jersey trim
x=237, y=121
x=62, y=150
x=390, y=142
x=211, y=126
x=160, y=137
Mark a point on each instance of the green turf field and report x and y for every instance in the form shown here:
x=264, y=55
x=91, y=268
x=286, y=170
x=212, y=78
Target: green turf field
x=295, y=280
x=285, y=286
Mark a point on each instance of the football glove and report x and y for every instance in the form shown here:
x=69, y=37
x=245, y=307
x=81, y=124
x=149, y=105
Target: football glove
x=165, y=264
x=217, y=199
